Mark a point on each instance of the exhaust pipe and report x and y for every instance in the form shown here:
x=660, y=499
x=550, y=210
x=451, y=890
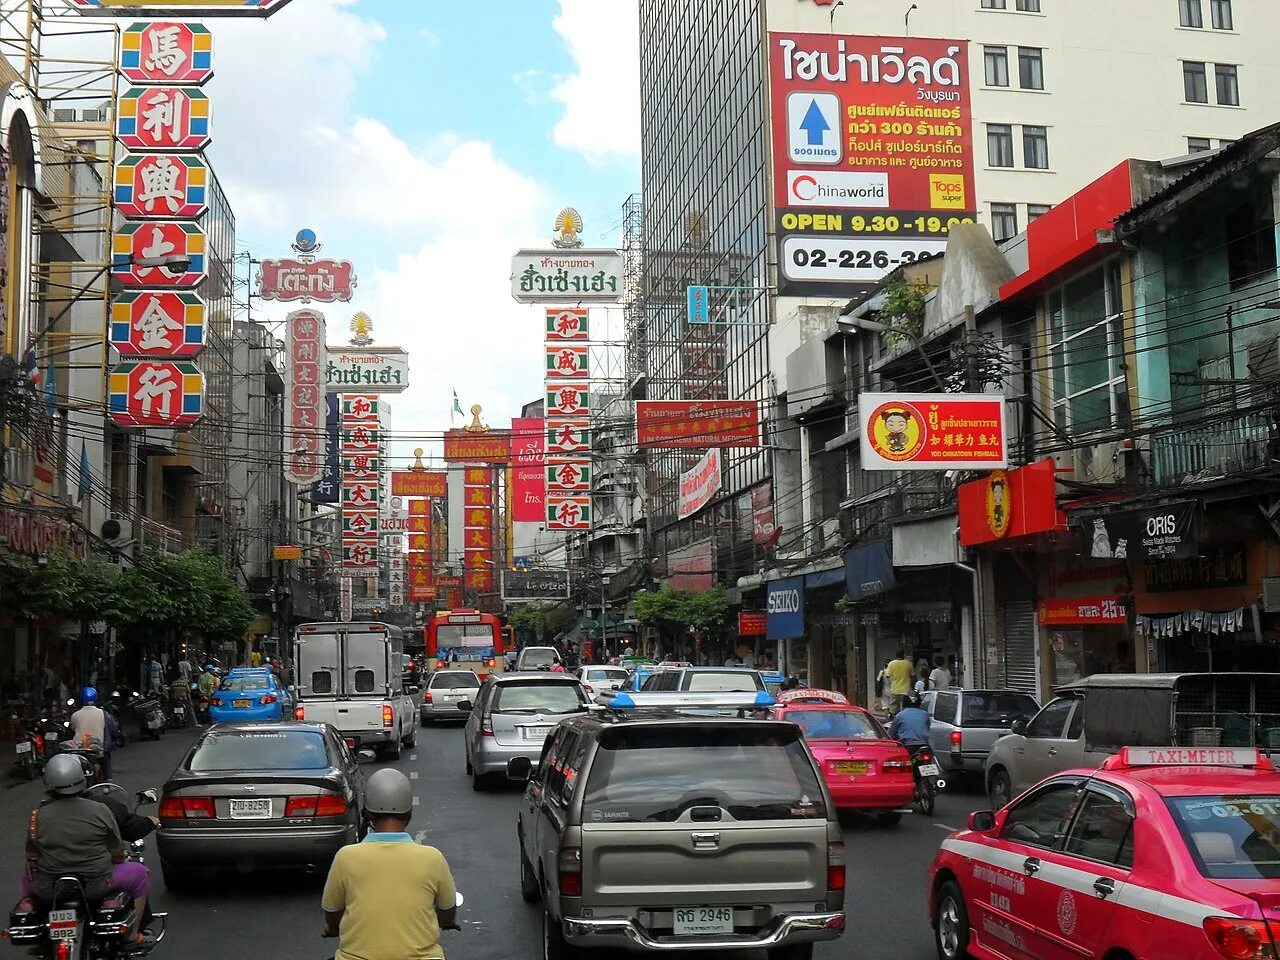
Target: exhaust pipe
x=310, y=869
x=942, y=784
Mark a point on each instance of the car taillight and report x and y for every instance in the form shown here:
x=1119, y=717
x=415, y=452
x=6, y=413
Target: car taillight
x=331, y=805
x=216, y=702
x=569, y=868
x=325, y=805
x=900, y=762
x=835, y=866
x=388, y=715
x=299, y=807
x=439, y=664
x=491, y=662
x=188, y=808
x=299, y=712
x=486, y=727
x=1237, y=939
x=924, y=756
x=957, y=738
x=426, y=697
x=269, y=698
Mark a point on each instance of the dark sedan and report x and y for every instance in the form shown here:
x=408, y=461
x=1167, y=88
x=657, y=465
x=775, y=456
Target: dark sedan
x=251, y=796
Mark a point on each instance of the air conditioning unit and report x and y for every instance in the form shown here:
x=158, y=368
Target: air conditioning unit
x=1099, y=463
x=64, y=115
x=93, y=115
x=1271, y=594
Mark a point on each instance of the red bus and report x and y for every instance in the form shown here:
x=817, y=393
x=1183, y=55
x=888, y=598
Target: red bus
x=476, y=639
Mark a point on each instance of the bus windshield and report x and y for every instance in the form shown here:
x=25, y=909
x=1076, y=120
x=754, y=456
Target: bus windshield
x=466, y=635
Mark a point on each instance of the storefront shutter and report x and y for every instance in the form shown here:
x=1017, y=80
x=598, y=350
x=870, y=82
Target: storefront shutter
x=1017, y=667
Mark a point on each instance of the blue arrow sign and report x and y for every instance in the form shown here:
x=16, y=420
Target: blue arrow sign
x=815, y=125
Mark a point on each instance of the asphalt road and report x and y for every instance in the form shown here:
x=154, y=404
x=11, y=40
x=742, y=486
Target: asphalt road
x=279, y=917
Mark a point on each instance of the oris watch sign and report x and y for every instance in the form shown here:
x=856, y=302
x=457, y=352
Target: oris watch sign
x=784, y=609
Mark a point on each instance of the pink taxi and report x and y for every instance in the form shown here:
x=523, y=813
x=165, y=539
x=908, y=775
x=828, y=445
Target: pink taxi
x=1165, y=852
x=865, y=769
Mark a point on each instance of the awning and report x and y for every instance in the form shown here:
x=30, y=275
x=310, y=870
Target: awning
x=926, y=543
x=826, y=578
x=868, y=570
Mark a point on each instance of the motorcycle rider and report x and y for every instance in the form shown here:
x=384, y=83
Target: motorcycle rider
x=207, y=684
x=72, y=835
x=910, y=726
x=89, y=725
x=388, y=896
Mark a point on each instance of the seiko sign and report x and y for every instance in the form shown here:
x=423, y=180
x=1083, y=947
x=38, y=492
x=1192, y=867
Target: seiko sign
x=784, y=609
x=787, y=601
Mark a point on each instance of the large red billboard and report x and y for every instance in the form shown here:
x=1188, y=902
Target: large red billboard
x=697, y=424
x=872, y=155
x=529, y=479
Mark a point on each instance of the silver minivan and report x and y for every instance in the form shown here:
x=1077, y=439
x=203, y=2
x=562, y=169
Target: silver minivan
x=444, y=690
x=511, y=717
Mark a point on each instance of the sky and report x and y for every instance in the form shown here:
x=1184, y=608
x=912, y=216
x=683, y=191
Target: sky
x=426, y=142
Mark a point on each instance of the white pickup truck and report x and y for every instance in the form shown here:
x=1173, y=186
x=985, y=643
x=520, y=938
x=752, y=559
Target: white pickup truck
x=351, y=675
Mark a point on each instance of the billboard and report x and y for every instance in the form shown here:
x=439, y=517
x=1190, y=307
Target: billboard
x=305, y=406
x=187, y=8
x=567, y=276
x=463, y=446
x=699, y=486
x=529, y=481
x=697, y=424
x=371, y=369
x=419, y=483
x=932, y=431
x=873, y=157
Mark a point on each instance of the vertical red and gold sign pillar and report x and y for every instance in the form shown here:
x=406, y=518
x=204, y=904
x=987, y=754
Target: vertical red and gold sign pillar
x=422, y=587
x=361, y=472
x=478, y=562
x=568, y=448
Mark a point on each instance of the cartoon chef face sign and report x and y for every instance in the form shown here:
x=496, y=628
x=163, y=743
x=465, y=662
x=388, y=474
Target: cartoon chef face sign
x=999, y=503
x=896, y=431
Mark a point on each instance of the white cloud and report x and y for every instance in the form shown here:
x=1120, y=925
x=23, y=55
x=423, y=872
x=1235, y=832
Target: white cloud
x=526, y=83
x=602, y=98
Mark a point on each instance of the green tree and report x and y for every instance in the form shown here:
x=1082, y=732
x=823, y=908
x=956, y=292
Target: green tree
x=902, y=310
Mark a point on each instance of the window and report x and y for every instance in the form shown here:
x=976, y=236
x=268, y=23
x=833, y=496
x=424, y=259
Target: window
x=289, y=750
x=1251, y=244
x=1225, y=143
x=1041, y=819
x=996, y=708
x=997, y=64
x=1076, y=728
x=1028, y=6
x=364, y=681
x=1049, y=722
x=999, y=145
x=1227, y=81
x=1220, y=10
x=1035, y=148
x=1031, y=68
x=1004, y=221
x=1037, y=210
x=1102, y=830
x=537, y=698
x=1190, y=13
x=1086, y=344
x=740, y=681
x=1198, y=144
x=1194, y=85
x=1231, y=837
x=322, y=682
x=944, y=707
x=836, y=725
x=992, y=4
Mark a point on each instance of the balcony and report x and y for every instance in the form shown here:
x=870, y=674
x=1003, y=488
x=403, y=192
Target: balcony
x=160, y=538
x=1215, y=450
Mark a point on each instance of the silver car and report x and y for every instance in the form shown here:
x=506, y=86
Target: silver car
x=603, y=681
x=511, y=717
x=963, y=724
x=444, y=690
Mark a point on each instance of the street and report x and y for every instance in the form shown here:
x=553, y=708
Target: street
x=279, y=915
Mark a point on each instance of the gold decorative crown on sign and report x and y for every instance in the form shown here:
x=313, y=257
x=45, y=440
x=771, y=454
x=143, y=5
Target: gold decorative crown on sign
x=361, y=325
x=568, y=228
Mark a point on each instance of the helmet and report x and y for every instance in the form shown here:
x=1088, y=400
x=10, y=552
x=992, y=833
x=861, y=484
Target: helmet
x=388, y=793
x=89, y=695
x=64, y=775
x=210, y=667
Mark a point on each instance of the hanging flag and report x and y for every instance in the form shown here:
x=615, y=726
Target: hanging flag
x=86, y=482
x=51, y=390
x=30, y=367
x=457, y=408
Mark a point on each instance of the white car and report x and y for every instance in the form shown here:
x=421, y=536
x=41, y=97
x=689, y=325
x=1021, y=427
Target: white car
x=603, y=681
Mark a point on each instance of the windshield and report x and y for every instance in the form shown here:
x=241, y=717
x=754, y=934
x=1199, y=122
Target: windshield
x=291, y=750
x=244, y=683
x=726, y=682
x=996, y=708
x=537, y=657
x=655, y=774
x=466, y=635
x=1231, y=838
x=453, y=679
x=836, y=725
x=617, y=673
x=537, y=698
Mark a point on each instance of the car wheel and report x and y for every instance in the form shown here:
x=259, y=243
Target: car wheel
x=951, y=923
x=554, y=945
x=924, y=797
x=413, y=738
x=422, y=718
x=175, y=881
x=797, y=951
x=529, y=891
x=392, y=751
x=889, y=819
x=1000, y=789
x=478, y=781
x=470, y=770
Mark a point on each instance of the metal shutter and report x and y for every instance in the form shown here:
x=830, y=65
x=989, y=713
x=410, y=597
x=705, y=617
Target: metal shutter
x=1017, y=647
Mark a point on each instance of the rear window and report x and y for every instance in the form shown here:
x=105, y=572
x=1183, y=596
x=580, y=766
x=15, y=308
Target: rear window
x=724, y=682
x=996, y=709
x=245, y=683
x=537, y=698
x=283, y=750
x=537, y=658
x=1231, y=838
x=322, y=682
x=655, y=774
x=451, y=680
x=615, y=674
x=836, y=725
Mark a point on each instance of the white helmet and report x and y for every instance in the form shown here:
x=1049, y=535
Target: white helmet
x=388, y=794
x=64, y=775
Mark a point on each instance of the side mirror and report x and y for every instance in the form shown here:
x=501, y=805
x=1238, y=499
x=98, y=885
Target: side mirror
x=519, y=769
x=464, y=706
x=1019, y=728
x=293, y=688
x=982, y=821
x=147, y=796
x=366, y=756
x=412, y=688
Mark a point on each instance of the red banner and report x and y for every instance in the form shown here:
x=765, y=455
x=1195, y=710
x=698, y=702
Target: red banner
x=422, y=594
x=752, y=623
x=697, y=424
x=1012, y=504
x=1082, y=612
x=462, y=446
x=528, y=482
x=419, y=483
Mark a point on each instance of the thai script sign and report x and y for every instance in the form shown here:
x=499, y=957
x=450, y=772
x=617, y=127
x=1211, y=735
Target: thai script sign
x=37, y=535
x=325, y=281
x=932, y=431
x=697, y=424
x=872, y=155
x=372, y=369
x=419, y=483
x=461, y=446
x=528, y=482
x=699, y=485
x=1081, y=612
x=567, y=276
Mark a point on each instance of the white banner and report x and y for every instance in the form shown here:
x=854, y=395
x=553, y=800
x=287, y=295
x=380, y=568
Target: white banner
x=700, y=485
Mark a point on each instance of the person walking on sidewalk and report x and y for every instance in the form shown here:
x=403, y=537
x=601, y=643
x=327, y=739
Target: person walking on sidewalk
x=900, y=674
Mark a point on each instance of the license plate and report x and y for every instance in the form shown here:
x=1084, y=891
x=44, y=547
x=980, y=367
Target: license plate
x=50, y=738
x=178, y=711
x=854, y=768
x=23, y=746
x=62, y=924
x=692, y=921
x=257, y=809
x=929, y=770
x=239, y=703
x=535, y=733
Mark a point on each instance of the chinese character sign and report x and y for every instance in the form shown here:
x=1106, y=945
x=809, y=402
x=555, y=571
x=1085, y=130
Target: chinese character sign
x=305, y=411
x=155, y=323
x=478, y=562
x=160, y=394
x=941, y=431
x=172, y=53
x=161, y=186
x=164, y=119
x=168, y=254
x=328, y=489
x=566, y=467
x=361, y=434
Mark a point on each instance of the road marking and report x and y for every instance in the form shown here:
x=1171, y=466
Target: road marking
x=420, y=838
x=947, y=827
x=415, y=801
x=413, y=756
x=413, y=774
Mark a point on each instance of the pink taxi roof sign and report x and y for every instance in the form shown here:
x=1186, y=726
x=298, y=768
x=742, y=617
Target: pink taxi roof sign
x=812, y=695
x=1184, y=757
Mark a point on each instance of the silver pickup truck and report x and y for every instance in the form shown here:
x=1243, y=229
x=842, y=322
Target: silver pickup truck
x=351, y=675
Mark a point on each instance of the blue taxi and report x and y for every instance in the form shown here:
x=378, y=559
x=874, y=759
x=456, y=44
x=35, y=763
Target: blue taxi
x=249, y=695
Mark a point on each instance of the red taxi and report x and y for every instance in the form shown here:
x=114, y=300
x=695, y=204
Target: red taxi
x=865, y=768
x=1165, y=852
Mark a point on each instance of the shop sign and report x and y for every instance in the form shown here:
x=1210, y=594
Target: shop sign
x=1082, y=612
x=567, y=475
x=419, y=483
x=762, y=522
x=568, y=512
x=1010, y=504
x=528, y=476
x=699, y=486
x=567, y=362
x=325, y=281
x=177, y=53
x=305, y=407
x=784, y=608
x=159, y=394
x=697, y=424
x=535, y=584
x=163, y=118
x=932, y=431
x=192, y=8
x=142, y=241
x=423, y=594
x=572, y=276
x=163, y=186
x=156, y=323
x=572, y=324
x=568, y=400
x=873, y=159
x=1170, y=531
x=868, y=570
x=371, y=369
x=463, y=446
x=1218, y=567
x=753, y=623
x=36, y=535
x=691, y=568
x=287, y=552
x=326, y=489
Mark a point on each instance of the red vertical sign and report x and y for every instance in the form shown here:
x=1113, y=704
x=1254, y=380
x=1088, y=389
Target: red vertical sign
x=529, y=482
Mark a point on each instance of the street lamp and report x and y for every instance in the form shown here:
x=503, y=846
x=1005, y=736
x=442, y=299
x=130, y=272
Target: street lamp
x=872, y=326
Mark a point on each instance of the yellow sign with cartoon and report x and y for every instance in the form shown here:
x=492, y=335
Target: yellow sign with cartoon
x=932, y=431
x=999, y=503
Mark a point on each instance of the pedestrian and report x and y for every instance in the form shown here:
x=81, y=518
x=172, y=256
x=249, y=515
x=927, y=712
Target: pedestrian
x=184, y=670
x=882, y=687
x=155, y=675
x=899, y=672
x=940, y=678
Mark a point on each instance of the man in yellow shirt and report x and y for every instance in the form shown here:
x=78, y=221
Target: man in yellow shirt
x=899, y=672
x=388, y=897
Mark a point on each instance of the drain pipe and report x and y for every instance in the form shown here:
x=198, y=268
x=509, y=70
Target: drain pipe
x=975, y=655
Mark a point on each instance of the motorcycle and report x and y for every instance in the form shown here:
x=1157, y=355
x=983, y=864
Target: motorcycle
x=138, y=715
x=74, y=927
x=928, y=779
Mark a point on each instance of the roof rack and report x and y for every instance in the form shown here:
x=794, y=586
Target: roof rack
x=709, y=701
